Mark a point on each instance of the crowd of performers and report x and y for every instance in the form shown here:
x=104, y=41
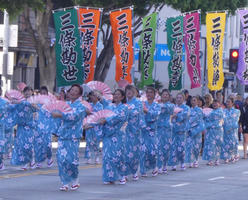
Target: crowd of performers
x=143, y=136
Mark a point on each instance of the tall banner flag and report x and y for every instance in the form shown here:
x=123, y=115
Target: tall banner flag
x=89, y=22
x=147, y=48
x=192, y=46
x=215, y=23
x=175, y=45
x=242, y=72
x=121, y=23
x=69, y=58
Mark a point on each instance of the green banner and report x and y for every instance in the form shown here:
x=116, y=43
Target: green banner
x=69, y=60
x=175, y=45
x=147, y=48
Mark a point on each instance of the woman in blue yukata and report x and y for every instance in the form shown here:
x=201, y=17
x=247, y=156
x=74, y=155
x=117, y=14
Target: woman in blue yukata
x=194, y=136
x=23, y=142
x=105, y=103
x=92, y=137
x=164, y=131
x=42, y=135
x=10, y=122
x=214, y=135
x=149, y=140
x=231, y=126
x=69, y=135
x=9, y=136
x=180, y=127
x=3, y=108
x=133, y=133
x=113, y=165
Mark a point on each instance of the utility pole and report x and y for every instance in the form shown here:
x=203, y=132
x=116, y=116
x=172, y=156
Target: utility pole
x=5, y=52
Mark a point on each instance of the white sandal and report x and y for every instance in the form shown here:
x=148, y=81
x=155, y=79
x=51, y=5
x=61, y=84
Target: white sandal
x=75, y=187
x=64, y=188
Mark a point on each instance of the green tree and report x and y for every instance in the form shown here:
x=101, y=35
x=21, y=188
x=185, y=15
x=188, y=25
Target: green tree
x=142, y=8
x=43, y=10
x=39, y=31
x=207, y=5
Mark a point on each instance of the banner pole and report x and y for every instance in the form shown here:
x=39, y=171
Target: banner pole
x=124, y=8
x=156, y=50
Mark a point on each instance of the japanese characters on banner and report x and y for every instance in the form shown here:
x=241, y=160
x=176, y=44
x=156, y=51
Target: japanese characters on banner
x=89, y=22
x=192, y=47
x=68, y=51
x=175, y=44
x=215, y=23
x=147, y=48
x=121, y=23
x=242, y=72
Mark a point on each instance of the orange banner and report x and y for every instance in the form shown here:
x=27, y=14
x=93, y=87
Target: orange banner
x=89, y=21
x=121, y=23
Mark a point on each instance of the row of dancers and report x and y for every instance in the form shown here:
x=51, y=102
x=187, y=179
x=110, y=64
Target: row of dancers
x=142, y=136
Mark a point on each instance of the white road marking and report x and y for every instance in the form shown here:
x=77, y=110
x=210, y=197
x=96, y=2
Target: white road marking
x=180, y=185
x=216, y=178
x=156, y=183
x=97, y=192
x=245, y=172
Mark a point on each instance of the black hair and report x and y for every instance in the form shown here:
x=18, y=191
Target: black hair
x=44, y=88
x=138, y=92
x=123, y=94
x=201, y=99
x=231, y=99
x=96, y=93
x=182, y=94
x=194, y=97
x=91, y=93
x=79, y=87
x=151, y=88
x=219, y=92
x=215, y=101
x=165, y=90
x=185, y=92
x=129, y=87
x=27, y=88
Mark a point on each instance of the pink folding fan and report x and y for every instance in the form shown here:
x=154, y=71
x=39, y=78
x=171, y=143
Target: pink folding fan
x=57, y=106
x=95, y=117
x=14, y=95
x=102, y=88
x=40, y=99
x=87, y=105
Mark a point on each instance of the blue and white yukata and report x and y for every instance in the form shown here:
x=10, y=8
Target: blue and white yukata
x=214, y=135
x=113, y=165
x=230, y=138
x=10, y=122
x=42, y=136
x=194, y=136
x=149, y=140
x=164, y=134
x=92, y=138
x=132, y=136
x=55, y=124
x=23, y=143
x=9, y=136
x=180, y=126
x=105, y=103
x=69, y=135
x=3, y=106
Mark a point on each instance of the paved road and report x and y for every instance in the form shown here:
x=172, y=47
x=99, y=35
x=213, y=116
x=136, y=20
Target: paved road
x=224, y=182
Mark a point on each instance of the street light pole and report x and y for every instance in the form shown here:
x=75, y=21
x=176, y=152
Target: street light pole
x=5, y=51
